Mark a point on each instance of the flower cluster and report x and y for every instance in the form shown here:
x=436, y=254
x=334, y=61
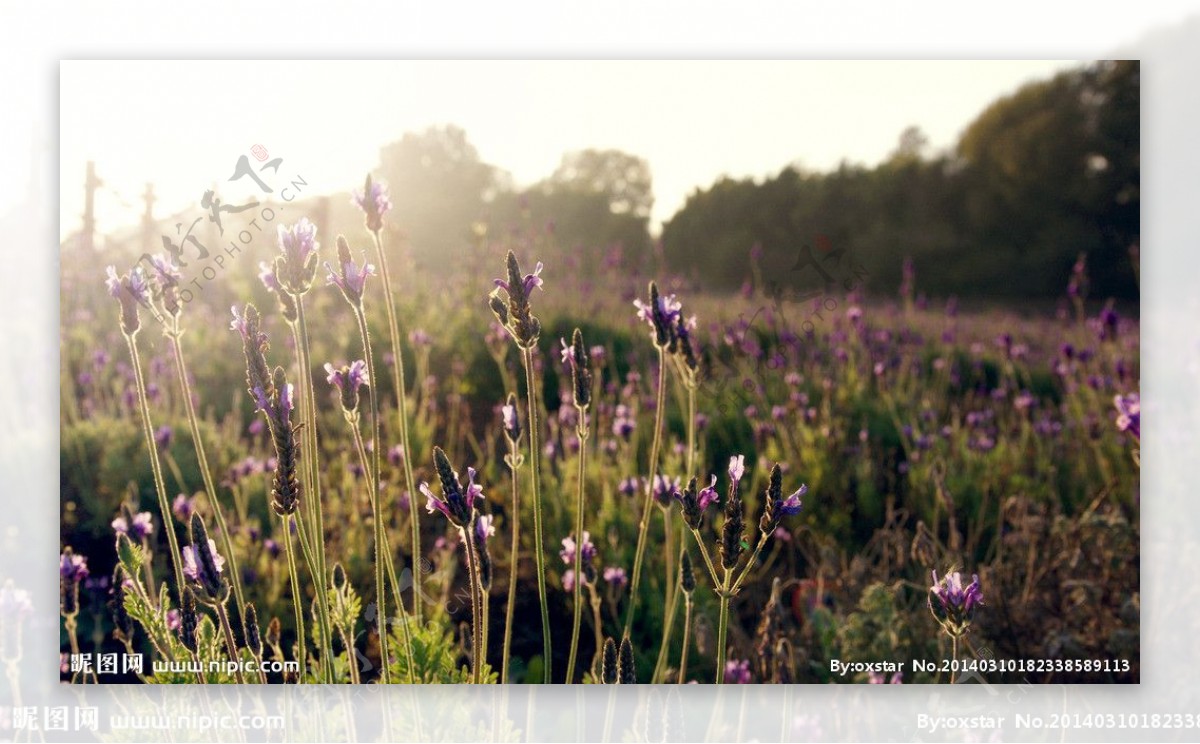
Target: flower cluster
x=952, y=604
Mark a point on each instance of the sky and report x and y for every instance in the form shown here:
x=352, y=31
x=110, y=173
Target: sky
x=181, y=125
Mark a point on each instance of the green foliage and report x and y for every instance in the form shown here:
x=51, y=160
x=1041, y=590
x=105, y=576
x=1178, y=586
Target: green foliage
x=437, y=659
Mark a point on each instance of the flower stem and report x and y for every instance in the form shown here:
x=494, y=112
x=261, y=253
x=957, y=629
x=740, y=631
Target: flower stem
x=230, y=644
x=687, y=632
x=953, y=657
x=722, y=629
x=297, y=603
x=597, y=627
x=235, y=576
x=512, y=561
x=373, y=484
x=314, y=466
x=323, y=623
x=402, y=405
x=477, y=650
x=148, y=430
x=578, y=588
x=640, y=554
x=538, y=552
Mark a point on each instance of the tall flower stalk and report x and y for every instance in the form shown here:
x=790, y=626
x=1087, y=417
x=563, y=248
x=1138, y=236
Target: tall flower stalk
x=275, y=397
x=661, y=314
x=351, y=280
x=375, y=203
x=512, y=435
x=575, y=356
x=732, y=543
x=460, y=506
x=167, y=277
x=205, y=570
x=131, y=290
x=518, y=319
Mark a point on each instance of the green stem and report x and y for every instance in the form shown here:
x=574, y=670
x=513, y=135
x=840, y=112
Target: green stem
x=722, y=629
x=230, y=644
x=148, y=430
x=316, y=512
x=538, y=544
x=762, y=540
x=235, y=576
x=373, y=484
x=597, y=627
x=402, y=404
x=477, y=650
x=297, y=598
x=578, y=588
x=323, y=623
x=687, y=632
x=640, y=554
x=953, y=657
x=512, y=561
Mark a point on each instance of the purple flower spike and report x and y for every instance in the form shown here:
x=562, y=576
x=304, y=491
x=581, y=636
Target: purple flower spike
x=433, y=503
x=737, y=468
x=141, y=527
x=192, y=566
x=183, y=508
x=352, y=279
x=952, y=604
x=708, y=496
x=298, y=242
x=529, y=282
x=374, y=202
x=568, y=552
x=484, y=527
x=616, y=576
x=737, y=672
x=1129, y=414
x=791, y=506
x=71, y=567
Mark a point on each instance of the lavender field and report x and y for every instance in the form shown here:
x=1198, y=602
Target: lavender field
x=526, y=470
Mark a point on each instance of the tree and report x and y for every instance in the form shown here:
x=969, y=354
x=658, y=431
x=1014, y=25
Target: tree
x=623, y=178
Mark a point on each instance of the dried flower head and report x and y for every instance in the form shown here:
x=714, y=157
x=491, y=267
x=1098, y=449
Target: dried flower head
x=250, y=630
x=626, y=671
x=189, y=619
x=608, y=663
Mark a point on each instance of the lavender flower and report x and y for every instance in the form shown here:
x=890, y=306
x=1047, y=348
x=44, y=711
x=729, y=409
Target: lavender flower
x=694, y=504
x=515, y=314
x=456, y=505
x=664, y=488
x=270, y=280
x=183, y=508
x=576, y=358
x=395, y=456
x=374, y=202
x=568, y=551
x=615, y=576
x=350, y=277
x=348, y=380
x=296, y=267
x=141, y=526
x=777, y=507
x=512, y=419
x=163, y=438
x=1129, y=414
x=737, y=469
x=167, y=276
x=130, y=290
x=661, y=314
x=72, y=570
x=952, y=604
x=623, y=422
x=419, y=338
x=203, y=565
x=630, y=486
x=737, y=672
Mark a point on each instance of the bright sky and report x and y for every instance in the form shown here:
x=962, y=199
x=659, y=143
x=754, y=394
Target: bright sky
x=182, y=124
